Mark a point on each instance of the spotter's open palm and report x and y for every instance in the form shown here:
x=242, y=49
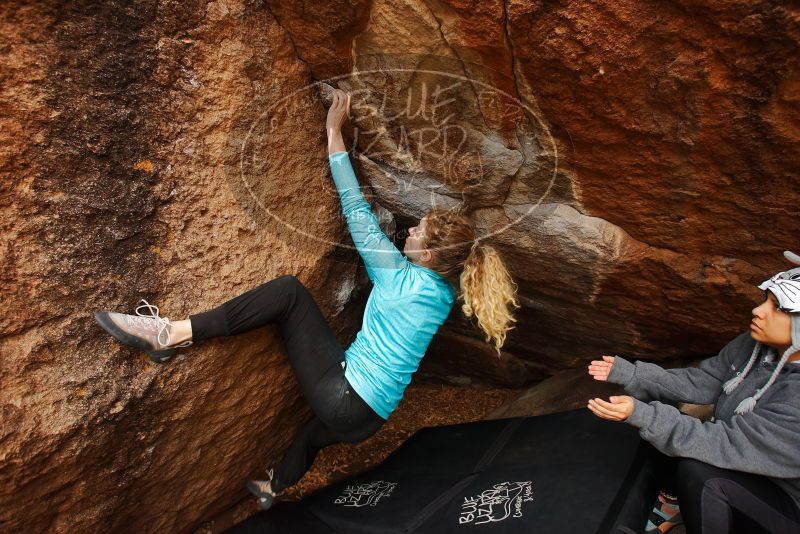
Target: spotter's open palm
x=617, y=408
x=600, y=369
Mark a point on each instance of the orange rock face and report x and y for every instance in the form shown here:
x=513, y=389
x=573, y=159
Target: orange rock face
x=635, y=164
x=123, y=128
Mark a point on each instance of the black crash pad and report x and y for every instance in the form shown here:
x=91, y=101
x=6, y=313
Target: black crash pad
x=560, y=473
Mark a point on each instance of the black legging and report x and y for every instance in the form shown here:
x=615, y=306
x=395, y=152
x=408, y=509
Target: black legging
x=317, y=359
x=719, y=501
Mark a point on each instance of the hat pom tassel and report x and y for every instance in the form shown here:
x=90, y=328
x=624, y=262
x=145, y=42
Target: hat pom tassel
x=746, y=406
x=732, y=384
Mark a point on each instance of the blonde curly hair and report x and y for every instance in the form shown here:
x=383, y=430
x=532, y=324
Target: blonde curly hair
x=485, y=286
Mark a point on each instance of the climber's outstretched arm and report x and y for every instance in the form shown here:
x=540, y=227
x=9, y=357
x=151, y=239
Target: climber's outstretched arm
x=381, y=257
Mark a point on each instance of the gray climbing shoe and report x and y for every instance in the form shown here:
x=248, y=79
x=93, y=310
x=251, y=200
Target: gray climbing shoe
x=262, y=490
x=146, y=331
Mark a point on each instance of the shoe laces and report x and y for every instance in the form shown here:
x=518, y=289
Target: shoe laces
x=150, y=318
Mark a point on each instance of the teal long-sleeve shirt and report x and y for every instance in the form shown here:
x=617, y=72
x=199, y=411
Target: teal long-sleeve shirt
x=407, y=305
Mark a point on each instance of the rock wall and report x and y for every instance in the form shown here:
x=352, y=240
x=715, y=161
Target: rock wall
x=635, y=163
x=120, y=126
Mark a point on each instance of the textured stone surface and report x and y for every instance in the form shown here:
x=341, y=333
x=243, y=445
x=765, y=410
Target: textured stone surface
x=571, y=390
x=567, y=390
x=119, y=126
x=644, y=152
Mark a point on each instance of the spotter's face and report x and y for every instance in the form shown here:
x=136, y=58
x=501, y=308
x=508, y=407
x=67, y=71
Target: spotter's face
x=770, y=325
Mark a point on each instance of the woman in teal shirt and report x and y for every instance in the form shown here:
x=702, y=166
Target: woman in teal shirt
x=351, y=392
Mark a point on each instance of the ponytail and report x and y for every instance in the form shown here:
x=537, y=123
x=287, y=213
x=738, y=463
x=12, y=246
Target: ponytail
x=489, y=293
x=477, y=270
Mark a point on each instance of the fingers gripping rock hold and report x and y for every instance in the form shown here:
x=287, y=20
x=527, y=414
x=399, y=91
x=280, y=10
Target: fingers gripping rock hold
x=330, y=95
x=326, y=92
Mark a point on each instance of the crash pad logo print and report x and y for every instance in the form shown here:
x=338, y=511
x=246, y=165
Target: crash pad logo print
x=365, y=494
x=500, y=502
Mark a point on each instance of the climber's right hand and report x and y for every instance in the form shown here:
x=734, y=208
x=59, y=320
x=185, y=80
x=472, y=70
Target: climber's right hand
x=600, y=369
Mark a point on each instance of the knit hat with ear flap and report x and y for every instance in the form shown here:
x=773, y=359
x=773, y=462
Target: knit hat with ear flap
x=785, y=286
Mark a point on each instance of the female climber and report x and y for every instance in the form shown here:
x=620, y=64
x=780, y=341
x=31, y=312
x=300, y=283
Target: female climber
x=351, y=392
x=739, y=471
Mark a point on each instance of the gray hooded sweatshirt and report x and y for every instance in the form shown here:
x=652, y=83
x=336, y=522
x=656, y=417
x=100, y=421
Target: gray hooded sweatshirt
x=765, y=441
